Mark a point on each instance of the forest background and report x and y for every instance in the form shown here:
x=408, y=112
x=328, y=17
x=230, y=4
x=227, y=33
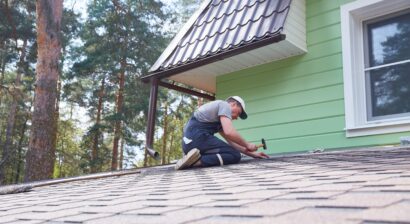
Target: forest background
x=101, y=105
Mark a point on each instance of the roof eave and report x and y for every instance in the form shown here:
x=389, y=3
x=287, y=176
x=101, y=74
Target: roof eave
x=219, y=56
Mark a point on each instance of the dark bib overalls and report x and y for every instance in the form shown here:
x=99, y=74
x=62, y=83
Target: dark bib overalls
x=214, y=151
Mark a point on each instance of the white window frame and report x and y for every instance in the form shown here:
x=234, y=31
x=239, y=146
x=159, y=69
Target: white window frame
x=352, y=17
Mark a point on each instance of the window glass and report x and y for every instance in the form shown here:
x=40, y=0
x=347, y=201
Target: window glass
x=389, y=40
x=390, y=90
x=388, y=85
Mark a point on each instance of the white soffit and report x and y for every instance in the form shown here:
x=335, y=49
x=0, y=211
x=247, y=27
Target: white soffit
x=204, y=77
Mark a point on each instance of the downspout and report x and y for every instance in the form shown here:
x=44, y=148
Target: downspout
x=155, y=82
x=151, y=119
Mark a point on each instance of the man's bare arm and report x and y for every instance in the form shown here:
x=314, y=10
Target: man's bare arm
x=231, y=135
x=243, y=150
x=233, y=144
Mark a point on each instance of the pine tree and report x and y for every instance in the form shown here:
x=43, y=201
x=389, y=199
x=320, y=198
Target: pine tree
x=41, y=153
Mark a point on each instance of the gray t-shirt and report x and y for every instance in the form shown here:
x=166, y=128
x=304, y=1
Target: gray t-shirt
x=211, y=111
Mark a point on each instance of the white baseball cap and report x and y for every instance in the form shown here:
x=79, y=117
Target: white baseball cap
x=243, y=115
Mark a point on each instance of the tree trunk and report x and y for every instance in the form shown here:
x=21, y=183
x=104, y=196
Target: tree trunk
x=164, y=137
x=145, y=158
x=121, y=154
x=57, y=111
x=94, y=152
x=20, y=144
x=117, y=127
x=19, y=152
x=200, y=101
x=41, y=152
x=8, y=152
x=61, y=157
x=3, y=69
x=171, y=145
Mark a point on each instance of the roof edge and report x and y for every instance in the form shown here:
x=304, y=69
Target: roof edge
x=220, y=56
x=171, y=47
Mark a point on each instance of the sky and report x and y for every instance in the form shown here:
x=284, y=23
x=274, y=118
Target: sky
x=78, y=6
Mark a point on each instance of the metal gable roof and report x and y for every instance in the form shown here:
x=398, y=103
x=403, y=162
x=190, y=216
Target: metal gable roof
x=220, y=26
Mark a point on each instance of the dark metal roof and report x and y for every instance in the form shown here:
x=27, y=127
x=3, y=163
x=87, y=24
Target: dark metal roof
x=222, y=26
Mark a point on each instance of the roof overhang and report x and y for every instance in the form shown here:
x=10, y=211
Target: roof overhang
x=197, y=72
x=202, y=72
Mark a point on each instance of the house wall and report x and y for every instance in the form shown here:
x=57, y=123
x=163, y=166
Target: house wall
x=297, y=104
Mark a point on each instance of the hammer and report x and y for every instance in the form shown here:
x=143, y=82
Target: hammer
x=262, y=145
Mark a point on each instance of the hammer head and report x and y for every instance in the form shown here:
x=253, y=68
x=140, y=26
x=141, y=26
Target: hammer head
x=264, y=143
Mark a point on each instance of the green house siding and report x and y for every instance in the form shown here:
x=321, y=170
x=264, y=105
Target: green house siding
x=297, y=104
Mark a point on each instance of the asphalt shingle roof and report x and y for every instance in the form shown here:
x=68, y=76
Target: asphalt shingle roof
x=355, y=186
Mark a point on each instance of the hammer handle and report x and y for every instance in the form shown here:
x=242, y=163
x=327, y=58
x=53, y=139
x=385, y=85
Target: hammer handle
x=260, y=145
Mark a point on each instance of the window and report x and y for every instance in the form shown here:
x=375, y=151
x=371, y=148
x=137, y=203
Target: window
x=376, y=66
x=387, y=67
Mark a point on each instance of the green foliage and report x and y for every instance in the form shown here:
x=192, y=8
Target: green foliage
x=117, y=36
x=104, y=151
x=68, y=157
x=17, y=38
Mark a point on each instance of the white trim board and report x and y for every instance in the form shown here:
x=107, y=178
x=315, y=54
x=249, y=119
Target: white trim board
x=352, y=17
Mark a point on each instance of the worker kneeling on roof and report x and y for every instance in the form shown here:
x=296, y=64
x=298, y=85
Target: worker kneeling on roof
x=202, y=148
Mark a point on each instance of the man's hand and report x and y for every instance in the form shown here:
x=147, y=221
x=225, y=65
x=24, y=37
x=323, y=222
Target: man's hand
x=251, y=147
x=259, y=155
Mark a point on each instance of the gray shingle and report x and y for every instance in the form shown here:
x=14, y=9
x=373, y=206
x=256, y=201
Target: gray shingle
x=300, y=188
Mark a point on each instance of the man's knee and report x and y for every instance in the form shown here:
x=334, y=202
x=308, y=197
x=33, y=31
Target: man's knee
x=236, y=157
